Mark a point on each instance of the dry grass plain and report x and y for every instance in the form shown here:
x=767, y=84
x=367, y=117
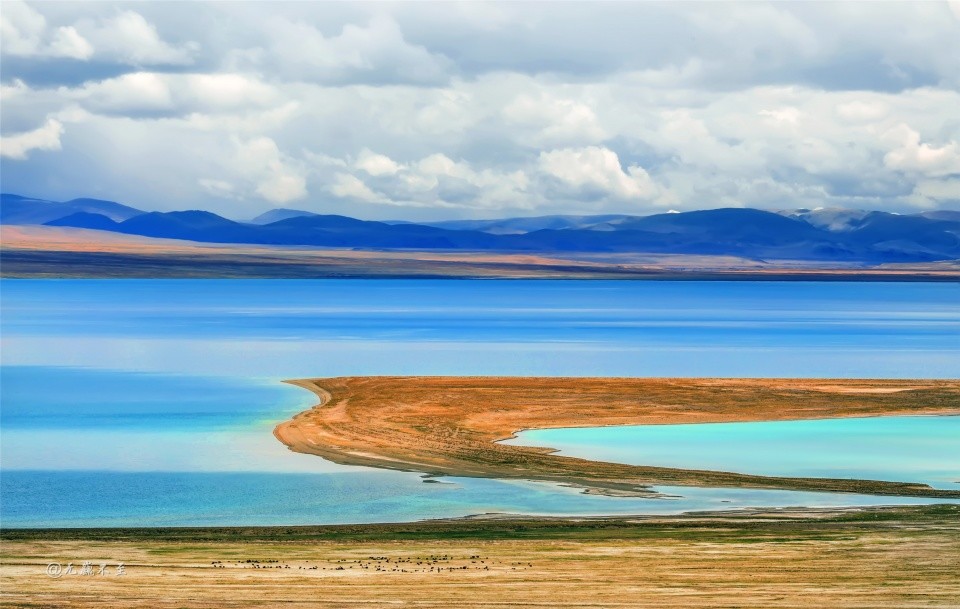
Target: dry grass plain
x=47, y=251
x=891, y=557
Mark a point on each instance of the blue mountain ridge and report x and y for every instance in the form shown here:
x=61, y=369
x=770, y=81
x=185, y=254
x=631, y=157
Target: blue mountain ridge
x=869, y=237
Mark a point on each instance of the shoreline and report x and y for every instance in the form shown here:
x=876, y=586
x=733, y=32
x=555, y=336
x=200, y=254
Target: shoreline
x=497, y=525
x=454, y=426
x=57, y=252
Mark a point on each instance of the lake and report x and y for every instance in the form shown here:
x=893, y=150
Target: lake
x=151, y=402
x=902, y=449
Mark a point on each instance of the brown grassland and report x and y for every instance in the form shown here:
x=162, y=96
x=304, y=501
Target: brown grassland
x=879, y=557
x=47, y=251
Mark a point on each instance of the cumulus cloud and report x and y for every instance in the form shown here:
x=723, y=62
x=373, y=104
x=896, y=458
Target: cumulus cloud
x=860, y=111
x=351, y=187
x=373, y=52
x=125, y=37
x=258, y=169
x=25, y=33
x=173, y=94
x=130, y=94
x=13, y=90
x=218, y=188
x=19, y=145
x=434, y=180
x=913, y=155
x=555, y=120
x=276, y=178
x=22, y=29
x=129, y=38
x=597, y=170
x=376, y=164
x=67, y=42
x=452, y=110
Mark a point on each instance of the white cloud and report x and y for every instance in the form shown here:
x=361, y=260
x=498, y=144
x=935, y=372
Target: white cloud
x=152, y=92
x=556, y=120
x=242, y=121
x=13, y=90
x=67, y=42
x=129, y=38
x=484, y=188
x=22, y=29
x=18, y=146
x=352, y=187
x=227, y=90
x=931, y=193
x=782, y=116
x=137, y=92
x=276, y=178
x=24, y=32
x=376, y=164
x=596, y=168
x=377, y=51
x=455, y=110
x=913, y=155
x=322, y=161
x=126, y=37
x=282, y=187
x=218, y=188
x=861, y=111
x=435, y=180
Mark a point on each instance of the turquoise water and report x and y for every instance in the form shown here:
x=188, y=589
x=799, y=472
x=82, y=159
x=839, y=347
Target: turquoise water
x=97, y=498
x=904, y=449
x=172, y=387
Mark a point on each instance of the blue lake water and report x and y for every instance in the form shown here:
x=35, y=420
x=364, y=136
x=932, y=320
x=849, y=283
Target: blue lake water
x=129, y=402
x=904, y=449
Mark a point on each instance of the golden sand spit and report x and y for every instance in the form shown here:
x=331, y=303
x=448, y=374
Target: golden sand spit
x=451, y=425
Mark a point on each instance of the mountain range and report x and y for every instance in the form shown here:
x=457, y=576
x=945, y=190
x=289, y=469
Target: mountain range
x=870, y=237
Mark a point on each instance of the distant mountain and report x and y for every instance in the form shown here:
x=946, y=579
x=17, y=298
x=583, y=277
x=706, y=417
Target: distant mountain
x=519, y=226
x=111, y=209
x=275, y=215
x=845, y=220
x=730, y=225
x=948, y=215
x=341, y=231
x=15, y=209
x=877, y=236
x=192, y=225
x=317, y=230
x=741, y=232
x=83, y=219
x=833, y=219
x=821, y=235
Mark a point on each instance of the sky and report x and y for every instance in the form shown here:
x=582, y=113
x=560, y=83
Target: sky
x=426, y=111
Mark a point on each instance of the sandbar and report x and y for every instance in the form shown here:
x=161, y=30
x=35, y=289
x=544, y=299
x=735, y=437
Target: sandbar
x=450, y=426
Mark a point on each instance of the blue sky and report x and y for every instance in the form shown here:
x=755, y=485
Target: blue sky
x=458, y=110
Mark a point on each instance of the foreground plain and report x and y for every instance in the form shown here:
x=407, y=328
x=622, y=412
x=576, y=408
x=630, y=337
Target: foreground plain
x=882, y=557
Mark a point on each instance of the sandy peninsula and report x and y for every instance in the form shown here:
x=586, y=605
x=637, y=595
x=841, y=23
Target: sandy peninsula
x=451, y=425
